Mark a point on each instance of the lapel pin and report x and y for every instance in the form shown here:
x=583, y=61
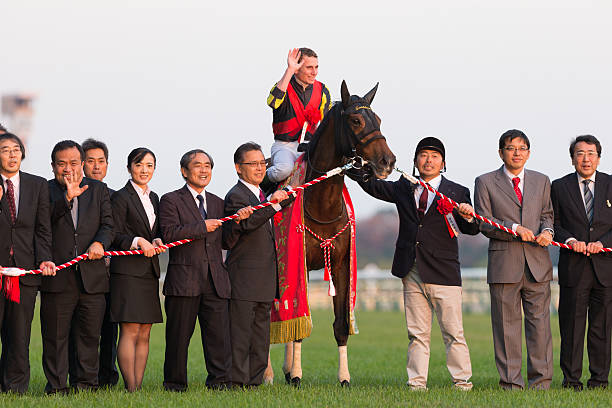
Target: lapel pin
x=608, y=203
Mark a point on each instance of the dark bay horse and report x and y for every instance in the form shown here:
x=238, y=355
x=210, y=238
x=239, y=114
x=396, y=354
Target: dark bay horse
x=350, y=129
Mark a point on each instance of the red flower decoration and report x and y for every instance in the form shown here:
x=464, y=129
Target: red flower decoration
x=445, y=207
x=278, y=218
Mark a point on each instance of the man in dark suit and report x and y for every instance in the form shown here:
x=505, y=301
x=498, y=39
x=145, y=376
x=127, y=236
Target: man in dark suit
x=583, y=220
x=26, y=243
x=82, y=222
x=251, y=262
x=519, y=270
x=427, y=260
x=95, y=167
x=197, y=284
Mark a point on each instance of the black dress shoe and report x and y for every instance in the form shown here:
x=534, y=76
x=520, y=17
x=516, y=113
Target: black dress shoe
x=574, y=386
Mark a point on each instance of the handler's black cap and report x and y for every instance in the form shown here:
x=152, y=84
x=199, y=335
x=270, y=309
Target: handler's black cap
x=430, y=143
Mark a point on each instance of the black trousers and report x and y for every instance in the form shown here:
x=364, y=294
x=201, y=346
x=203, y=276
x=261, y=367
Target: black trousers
x=588, y=300
x=212, y=312
x=107, y=373
x=56, y=319
x=250, y=333
x=15, y=330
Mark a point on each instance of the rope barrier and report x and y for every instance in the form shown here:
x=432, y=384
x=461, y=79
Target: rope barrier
x=15, y=272
x=414, y=180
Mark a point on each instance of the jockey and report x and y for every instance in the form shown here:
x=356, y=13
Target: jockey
x=298, y=103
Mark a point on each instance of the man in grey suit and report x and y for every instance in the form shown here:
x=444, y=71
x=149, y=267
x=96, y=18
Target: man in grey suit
x=519, y=268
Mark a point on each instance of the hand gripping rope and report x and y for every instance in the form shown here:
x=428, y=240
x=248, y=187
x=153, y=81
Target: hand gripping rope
x=11, y=275
x=414, y=180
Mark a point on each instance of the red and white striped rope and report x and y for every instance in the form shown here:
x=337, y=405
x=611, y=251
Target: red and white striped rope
x=327, y=244
x=21, y=272
x=414, y=180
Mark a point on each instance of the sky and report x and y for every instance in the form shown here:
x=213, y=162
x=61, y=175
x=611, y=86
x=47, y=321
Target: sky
x=177, y=75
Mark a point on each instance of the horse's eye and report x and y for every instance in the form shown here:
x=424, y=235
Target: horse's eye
x=355, y=122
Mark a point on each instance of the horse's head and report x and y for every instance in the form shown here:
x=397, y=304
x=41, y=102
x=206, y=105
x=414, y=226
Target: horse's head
x=363, y=125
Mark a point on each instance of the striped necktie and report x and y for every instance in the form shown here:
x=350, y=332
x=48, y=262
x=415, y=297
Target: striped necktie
x=588, y=200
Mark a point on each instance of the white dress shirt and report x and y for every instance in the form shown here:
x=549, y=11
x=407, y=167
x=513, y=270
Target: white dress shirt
x=255, y=190
x=195, y=195
x=581, y=189
x=434, y=183
x=521, y=183
x=15, y=181
x=143, y=195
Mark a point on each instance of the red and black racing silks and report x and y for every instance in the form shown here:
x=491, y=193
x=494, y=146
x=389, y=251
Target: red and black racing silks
x=302, y=105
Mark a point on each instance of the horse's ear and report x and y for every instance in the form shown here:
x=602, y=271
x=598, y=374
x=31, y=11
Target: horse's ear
x=344, y=92
x=369, y=97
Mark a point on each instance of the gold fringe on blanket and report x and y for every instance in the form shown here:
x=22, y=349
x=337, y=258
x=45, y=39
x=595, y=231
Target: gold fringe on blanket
x=289, y=330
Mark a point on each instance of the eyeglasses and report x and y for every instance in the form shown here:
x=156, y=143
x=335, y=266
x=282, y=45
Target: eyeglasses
x=255, y=163
x=512, y=149
x=580, y=154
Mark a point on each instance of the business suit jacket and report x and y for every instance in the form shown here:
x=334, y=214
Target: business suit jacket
x=30, y=237
x=190, y=263
x=427, y=241
x=251, y=260
x=494, y=198
x=94, y=223
x=571, y=221
x=130, y=221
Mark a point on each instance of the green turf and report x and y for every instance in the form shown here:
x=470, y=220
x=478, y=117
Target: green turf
x=377, y=364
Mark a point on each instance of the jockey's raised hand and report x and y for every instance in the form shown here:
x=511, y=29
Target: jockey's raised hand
x=292, y=67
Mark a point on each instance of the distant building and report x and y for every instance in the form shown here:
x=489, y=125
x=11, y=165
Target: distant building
x=18, y=113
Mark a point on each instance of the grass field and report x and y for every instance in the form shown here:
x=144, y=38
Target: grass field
x=377, y=364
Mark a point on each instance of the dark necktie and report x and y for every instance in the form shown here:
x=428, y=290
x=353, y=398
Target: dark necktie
x=422, y=203
x=588, y=200
x=517, y=190
x=201, y=206
x=262, y=197
x=10, y=196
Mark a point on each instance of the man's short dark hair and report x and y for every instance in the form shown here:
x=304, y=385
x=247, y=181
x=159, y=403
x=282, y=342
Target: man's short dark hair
x=90, y=143
x=512, y=134
x=138, y=154
x=589, y=139
x=242, y=149
x=16, y=139
x=307, y=52
x=188, y=158
x=65, y=145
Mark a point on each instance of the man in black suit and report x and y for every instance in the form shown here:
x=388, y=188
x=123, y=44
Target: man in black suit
x=26, y=243
x=95, y=167
x=427, y=260
x=251, y=262
x=196, y=284
x=82, y=222
x=583, y=220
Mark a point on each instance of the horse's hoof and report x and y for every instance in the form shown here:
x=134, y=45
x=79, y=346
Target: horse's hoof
x=288, y=378
x=296, y=382
x=345, y=384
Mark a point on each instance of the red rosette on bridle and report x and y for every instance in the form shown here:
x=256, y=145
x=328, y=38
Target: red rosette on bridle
x=445, y=208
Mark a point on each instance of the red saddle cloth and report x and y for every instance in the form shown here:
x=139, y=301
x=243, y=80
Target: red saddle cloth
x=290, y=318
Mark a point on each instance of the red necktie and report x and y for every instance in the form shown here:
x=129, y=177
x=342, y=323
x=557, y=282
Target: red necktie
x=10, y=196
x=262, y=197
x=422, y=203
x=517, y=190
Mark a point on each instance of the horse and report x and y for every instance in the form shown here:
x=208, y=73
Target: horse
x=349, y=130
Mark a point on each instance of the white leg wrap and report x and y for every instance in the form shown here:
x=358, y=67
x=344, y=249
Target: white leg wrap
x=268, y=377
x=343, y=371
x=288, y=358
x=296, y=369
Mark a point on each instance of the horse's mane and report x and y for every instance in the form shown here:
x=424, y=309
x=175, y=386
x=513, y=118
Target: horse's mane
x=342, y=141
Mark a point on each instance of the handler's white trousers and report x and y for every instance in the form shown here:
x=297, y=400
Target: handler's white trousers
x=420, y=301
x=284, y=155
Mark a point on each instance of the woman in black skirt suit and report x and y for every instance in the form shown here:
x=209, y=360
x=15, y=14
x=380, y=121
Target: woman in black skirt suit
x=134, y=279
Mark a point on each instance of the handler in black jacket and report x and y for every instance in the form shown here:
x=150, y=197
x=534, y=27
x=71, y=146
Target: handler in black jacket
x=252, y=267
x=82, y=222
x=582, y=202
x=25, y=229
x=427, y=260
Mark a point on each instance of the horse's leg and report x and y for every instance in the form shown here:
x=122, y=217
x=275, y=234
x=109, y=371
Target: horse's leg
x=341, y=323
x=288, y=361
x=268, y=377
x=296, y=367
